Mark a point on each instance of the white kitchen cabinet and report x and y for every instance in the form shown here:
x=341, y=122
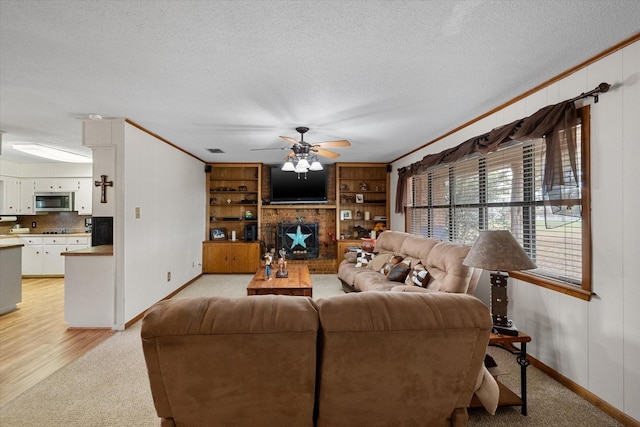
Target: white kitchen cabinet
x=41, y=256
x=57, y=184
x=27, y=188
x=9, y=195
x=32, y=256
x=83, y=198
x=78, y=242
x=53, y=262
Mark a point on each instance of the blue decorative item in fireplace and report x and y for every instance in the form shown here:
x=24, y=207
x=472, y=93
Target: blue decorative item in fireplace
x=300, y=239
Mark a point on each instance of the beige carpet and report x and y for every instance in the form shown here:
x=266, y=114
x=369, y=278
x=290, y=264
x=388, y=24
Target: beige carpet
x=108, y=386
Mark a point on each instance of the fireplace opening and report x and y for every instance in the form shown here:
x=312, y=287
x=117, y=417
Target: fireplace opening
x=299, y=240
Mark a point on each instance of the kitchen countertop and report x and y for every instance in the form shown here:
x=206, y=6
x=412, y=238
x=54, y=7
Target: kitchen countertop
x=11, y=245
x=18, y=235
x=102, y=250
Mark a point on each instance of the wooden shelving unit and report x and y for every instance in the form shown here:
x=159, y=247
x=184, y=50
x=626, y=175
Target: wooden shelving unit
x=233, y=189
x=234, y=202
x=234, y=197
x=362, y=197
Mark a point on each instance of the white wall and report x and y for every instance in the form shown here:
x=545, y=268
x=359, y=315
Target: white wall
x=594, y=343
x=169, y=188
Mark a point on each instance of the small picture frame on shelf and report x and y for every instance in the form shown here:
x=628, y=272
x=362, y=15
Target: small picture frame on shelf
x=346, y=214
x=218, y=234
x=359, y=198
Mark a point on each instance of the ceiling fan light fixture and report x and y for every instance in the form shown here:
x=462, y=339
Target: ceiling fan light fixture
x=300, y=169
x=288, y=166
x=303, y=164
x=315, y=166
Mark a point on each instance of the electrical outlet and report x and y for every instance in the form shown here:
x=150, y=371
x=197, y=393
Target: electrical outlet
x=168, y=276
x=137, y=213
x=33, y=224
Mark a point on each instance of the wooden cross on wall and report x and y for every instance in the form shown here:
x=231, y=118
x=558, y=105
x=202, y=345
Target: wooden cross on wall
x=104, y=184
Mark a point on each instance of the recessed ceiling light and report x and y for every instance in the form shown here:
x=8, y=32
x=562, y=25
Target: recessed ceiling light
x=95, y=116
x=52, y=153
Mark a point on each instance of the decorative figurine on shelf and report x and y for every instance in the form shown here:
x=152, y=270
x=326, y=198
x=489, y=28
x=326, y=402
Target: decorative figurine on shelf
x=360, y=232
x=282, y=264
x=268, y=260
x=363, y=186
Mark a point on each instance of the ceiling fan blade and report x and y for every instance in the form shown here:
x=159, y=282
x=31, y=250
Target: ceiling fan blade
x=325, y=153
x=289, y=140
x=274, y=148
x=339, y=143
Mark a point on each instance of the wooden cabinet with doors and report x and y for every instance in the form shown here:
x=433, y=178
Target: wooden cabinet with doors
x=229, y=257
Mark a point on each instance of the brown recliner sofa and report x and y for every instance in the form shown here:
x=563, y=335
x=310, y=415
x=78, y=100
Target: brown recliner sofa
x=360, y=359
x=443, y=261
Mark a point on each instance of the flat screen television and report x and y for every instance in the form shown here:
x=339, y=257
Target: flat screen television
x=290, y=187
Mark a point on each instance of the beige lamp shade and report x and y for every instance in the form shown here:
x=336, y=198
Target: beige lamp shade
x=498, y=250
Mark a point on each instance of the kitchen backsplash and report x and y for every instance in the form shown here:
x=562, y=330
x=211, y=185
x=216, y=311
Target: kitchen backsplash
x=71, y=222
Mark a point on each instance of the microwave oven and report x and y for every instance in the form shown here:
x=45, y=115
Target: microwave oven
x=53, y=202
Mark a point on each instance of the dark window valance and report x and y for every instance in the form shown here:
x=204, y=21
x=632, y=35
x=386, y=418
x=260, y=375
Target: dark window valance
x=553, y=122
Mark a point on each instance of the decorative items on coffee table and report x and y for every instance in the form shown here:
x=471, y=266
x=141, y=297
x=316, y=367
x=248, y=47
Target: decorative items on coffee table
x=282, y=264
x=297, y=283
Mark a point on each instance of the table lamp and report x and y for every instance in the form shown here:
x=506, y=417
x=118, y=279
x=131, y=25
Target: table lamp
x=499, y=252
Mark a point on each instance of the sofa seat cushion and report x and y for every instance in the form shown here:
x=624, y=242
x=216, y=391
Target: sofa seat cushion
x=348, y=271
x=235, y=361
x=408, y=359
x=370, y=280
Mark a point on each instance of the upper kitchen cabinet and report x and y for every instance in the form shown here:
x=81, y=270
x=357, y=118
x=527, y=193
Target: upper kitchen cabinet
x=82, y=203
x=27, y=188
x=57, y=184
x=9, y=195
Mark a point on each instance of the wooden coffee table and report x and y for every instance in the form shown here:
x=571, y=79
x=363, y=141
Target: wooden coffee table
x=298, y=283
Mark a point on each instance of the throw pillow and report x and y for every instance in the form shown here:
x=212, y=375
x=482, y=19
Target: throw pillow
x=399, y=272
x=379, y=261
x=389, y=265
x=363, y=258
x=419, y=276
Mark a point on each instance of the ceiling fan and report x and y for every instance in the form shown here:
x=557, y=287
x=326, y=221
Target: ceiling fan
x=302, y=148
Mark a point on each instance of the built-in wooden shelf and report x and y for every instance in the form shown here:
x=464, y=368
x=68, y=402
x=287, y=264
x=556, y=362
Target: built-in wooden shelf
x=299, y=206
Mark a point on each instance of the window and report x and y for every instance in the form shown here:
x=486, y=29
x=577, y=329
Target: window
x=503, y=191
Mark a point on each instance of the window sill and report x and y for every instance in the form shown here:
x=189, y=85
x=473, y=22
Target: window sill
x=545, y=282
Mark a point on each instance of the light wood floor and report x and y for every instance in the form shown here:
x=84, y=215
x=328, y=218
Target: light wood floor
x=34, y=339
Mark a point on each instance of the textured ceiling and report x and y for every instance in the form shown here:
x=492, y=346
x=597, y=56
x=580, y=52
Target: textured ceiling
x=387, y=75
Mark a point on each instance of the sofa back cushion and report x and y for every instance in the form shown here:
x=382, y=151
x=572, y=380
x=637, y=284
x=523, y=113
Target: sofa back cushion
x=390, y=241
x=446, y=270
x=232, y=361
x=417, y=247
x=443, y=260
x=396, y=358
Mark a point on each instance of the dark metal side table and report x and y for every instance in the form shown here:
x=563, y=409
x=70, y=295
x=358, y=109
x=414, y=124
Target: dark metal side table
x=508, y=397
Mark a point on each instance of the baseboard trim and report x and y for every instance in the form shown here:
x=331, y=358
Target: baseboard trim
x=171, y=295
x=585, y=394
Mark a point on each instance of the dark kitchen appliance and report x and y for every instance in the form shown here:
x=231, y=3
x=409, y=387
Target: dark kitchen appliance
x=101, y=230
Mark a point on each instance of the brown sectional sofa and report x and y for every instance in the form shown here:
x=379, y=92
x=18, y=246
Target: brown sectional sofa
x=360, y=359
x=443, y=261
